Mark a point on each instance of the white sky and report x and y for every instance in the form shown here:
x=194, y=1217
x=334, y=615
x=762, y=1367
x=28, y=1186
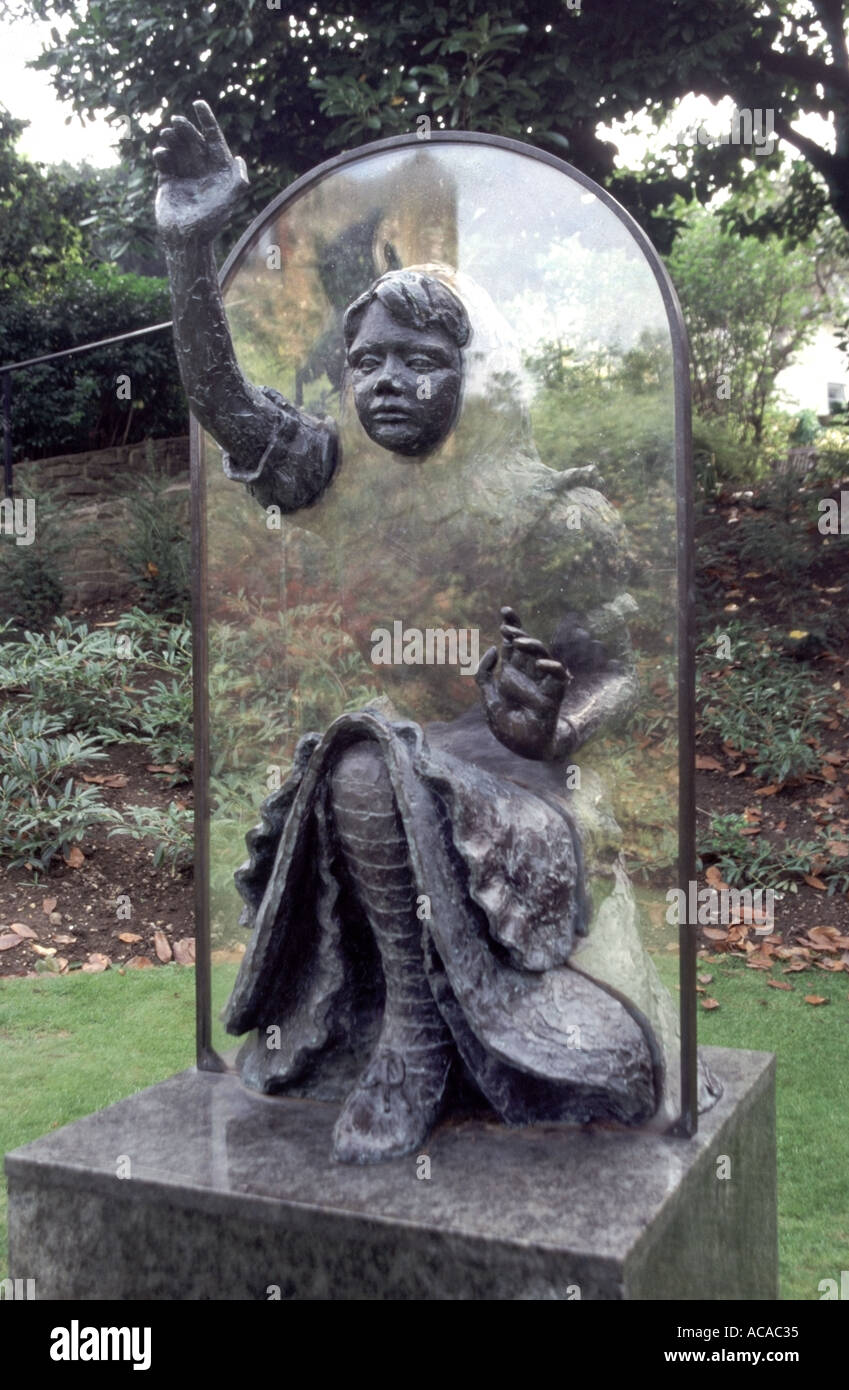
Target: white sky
x=29, y=95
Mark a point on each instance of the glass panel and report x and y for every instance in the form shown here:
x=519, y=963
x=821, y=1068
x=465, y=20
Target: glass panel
x=390, y=585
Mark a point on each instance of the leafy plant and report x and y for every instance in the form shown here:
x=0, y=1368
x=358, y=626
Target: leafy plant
x=43, y=810
x=752, y=860
x=31, y=589
x=763, y=706
x=156, y=548
x=171, y=829
x=93, y=681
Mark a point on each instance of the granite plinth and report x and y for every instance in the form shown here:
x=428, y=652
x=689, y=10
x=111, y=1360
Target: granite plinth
x=229, y=1195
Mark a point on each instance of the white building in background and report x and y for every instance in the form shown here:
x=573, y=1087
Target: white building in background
x=818, y=377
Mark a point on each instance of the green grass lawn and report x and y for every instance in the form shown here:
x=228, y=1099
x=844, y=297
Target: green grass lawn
x=810, y=1043
x=72, y=1044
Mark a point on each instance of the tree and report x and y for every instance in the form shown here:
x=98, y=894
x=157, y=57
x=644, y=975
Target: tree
x=39, y=217
x=290, y=81
x=750, y=305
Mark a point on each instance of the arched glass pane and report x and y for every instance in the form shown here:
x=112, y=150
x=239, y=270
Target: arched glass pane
x=390, y=585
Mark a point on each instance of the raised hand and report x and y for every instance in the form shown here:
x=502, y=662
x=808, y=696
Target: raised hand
x=199, y=179
x=522, y=700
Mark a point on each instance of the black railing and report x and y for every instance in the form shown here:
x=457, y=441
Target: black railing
x=10, y=367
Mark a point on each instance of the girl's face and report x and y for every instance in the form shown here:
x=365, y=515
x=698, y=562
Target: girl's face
x=406, y=382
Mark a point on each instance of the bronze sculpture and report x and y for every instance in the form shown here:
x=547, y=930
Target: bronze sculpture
x=419, y=899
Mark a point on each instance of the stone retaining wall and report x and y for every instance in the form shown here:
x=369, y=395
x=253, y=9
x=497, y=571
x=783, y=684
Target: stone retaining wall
x=93, y=491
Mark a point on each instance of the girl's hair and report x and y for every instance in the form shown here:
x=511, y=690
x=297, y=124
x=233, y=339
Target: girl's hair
x=414, y=299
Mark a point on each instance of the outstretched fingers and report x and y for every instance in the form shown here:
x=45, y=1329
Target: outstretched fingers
x=217, y=147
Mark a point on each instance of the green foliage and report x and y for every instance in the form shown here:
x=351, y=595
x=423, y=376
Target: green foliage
x=43, y=810
x=130, y=683
x=611, y=410
x=31, y=590
x=68, y=692
x=774, y=538
x=749, y=305
x=73, y=404
x=832, y=444
x=39, y=216
x=754, y=861
x=290, y=82
x=156, y=547
x=172, y=830
x=720, y=456
x=806, y=428
x=763, y=706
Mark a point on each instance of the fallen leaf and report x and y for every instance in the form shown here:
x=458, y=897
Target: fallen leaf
x=708, y=1003
x=184, y=951
x=715, y=879
x=794, y=967
x=759, y=962
x=43, y=951
x=103, y=779
x=129, y=936
x=49, y=905
x=814, y=882
x=160, y=767
x=738, y=771
x=768, y=791
x=705, y=764
x=96, y=963
x=21, y=929
x=779, y=984
x=8, y=940
x=815, y=999
x=705, y=979
x=162, y=945
x=715, y=934
x=824, y=938
x=65, y=940
x=138, y=963
x=75, y=857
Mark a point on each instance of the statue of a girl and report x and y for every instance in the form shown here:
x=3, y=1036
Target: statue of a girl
x=435, y=911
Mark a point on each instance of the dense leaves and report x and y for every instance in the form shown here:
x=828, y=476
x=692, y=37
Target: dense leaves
x=79, y=403
x=750, y=305
x=293, y=81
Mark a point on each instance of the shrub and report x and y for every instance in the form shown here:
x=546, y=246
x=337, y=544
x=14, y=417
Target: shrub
x=156, y=548
x=172, y=830
x=751, y=860
x=43, y=811
x=763, y=707
x=72, y=405
x=31, y=591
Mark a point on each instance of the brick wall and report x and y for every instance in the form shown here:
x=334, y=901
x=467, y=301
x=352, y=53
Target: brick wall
x=93, y=491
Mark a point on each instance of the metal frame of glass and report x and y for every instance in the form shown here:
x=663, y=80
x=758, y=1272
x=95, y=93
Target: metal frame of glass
x=207, y=1058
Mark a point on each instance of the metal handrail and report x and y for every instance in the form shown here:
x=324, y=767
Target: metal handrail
x=8, y=368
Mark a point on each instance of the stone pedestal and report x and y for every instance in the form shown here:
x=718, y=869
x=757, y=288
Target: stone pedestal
x=229, y=1195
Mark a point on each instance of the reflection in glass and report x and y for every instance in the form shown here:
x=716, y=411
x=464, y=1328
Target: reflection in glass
x=552, y=492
